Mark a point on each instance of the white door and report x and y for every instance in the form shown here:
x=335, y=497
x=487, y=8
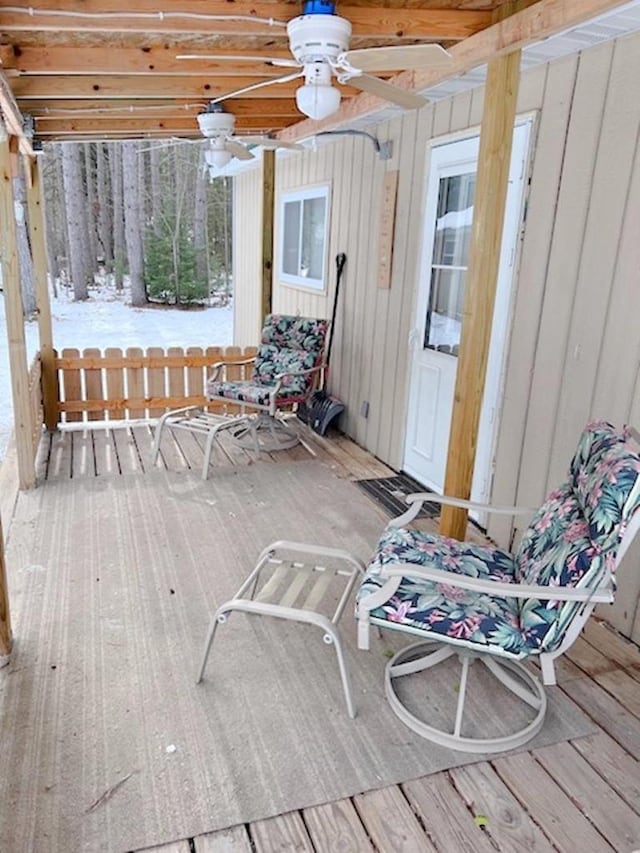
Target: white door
x=435, y=338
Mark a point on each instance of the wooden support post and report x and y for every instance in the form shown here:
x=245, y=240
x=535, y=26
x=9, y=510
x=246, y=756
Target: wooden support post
x=14, y=314
x=494, y=157
x=268, y=201
x=37, y=235
x=5, y=617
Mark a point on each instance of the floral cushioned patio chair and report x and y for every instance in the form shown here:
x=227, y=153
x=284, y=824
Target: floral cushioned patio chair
x=286, y=370
x=479, y=602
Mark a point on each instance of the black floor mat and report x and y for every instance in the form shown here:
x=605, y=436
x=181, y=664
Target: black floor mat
x=390, y=493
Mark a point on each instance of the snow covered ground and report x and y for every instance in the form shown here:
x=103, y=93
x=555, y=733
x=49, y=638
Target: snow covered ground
x=105, y=320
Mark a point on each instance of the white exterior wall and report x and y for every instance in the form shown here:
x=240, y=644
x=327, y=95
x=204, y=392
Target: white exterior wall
x=574, y=348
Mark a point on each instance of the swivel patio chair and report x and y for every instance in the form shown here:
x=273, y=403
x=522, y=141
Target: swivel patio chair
x=506, y=610
x=286, y=371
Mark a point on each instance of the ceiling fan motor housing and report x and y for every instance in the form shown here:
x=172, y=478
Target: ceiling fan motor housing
x=216, y=124
x=315, y=38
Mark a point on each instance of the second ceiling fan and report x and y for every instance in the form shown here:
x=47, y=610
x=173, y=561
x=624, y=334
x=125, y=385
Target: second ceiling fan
x=218, y=126
x=319, y=42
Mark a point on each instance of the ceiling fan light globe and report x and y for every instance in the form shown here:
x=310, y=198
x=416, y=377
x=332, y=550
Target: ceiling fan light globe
x=317, y=101
x=217, y=158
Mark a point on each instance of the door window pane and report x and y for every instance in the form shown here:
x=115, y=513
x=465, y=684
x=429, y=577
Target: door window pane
x=449, y=262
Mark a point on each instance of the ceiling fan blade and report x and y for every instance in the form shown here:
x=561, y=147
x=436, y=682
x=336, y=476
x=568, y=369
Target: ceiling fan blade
x=399, y=58
x=401, y=97
x=267, y=142
x=285, y=79
x=216, y=57
x=165, y=143
x=238, y=150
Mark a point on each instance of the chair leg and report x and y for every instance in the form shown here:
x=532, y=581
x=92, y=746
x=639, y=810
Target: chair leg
x=330, y=636
x=155, y=450
x=219, y=618
x=333, y=638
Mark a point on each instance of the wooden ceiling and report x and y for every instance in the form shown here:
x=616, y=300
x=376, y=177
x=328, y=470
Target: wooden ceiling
x=107, y=69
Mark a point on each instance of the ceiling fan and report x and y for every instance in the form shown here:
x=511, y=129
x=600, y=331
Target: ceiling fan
x=319, y=42
x=217, y=126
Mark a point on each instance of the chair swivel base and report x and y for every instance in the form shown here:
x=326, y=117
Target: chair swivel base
x=513, y=675
x=264, y=433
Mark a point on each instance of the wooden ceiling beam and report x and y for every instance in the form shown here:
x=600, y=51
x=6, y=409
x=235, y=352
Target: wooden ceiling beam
x=68, y=59
x=185, y=127
x=103, y=16
x=525, y=27
x=45, y=110
x=12, y=118
x=123, y=87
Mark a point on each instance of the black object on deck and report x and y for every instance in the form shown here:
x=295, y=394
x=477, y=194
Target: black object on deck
x=323, y=408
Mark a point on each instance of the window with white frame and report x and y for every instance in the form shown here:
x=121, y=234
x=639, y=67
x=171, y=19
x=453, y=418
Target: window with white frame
x=304, y=229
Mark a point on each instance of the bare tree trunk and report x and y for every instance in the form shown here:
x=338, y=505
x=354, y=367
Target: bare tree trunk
x=52, y=226
x=74, y=194
x=115, y=163
x=25, y=261
x=200, y=224
x=156, y=191
x=227, y=241
x=133, y=232
x=90, y=195
x=57, y=229
x=104, y=217
x=142, y=190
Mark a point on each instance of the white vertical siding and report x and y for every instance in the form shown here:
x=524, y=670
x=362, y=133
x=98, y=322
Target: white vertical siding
x=574, y=348
x=247, y=257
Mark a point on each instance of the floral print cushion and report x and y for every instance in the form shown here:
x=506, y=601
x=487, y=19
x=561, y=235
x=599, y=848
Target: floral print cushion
x=302, y=333
x=556, y=550
x=465, y=617
x=272, y=361
x=604, y=475
x=242, y=392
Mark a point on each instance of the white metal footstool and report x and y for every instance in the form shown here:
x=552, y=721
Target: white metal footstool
x=295, y=589
x=195, y=419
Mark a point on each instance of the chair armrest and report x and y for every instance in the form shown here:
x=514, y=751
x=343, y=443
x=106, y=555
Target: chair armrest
x=416, y=500
x=505, y=590
x=221, y=366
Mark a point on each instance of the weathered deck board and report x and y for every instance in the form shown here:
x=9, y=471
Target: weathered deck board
x=233, y=840
x=607, y=712
x=616, y=821
x=507, y=823
x=445, y=815
x=336, y=826
x=624, y=653
x=390, y=821
x=285, y=833
x=614, y=764
x=83, y=463
x=555, y=813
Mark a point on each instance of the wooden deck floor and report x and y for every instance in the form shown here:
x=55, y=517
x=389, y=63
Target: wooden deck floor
x=583, y=795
